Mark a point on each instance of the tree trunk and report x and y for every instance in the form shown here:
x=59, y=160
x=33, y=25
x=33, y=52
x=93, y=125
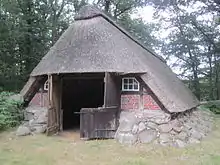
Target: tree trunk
x=107, y=5
x=217, y=83
x=54, y=29
x=28, y=43
x=211, y=91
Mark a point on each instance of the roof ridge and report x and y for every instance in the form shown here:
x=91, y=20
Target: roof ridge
x=91, y=11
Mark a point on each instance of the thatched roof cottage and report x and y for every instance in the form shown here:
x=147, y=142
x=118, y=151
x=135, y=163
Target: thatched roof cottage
x=96, y=72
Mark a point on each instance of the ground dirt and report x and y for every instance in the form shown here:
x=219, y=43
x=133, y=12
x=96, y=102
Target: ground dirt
x=68, y=149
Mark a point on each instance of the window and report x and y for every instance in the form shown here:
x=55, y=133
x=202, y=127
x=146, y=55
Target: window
x=46, y=86
x=130, y=84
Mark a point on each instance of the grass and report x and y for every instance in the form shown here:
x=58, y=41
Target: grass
x=57, y=150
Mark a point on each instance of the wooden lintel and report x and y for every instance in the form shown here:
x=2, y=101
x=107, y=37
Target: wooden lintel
x=82, y=78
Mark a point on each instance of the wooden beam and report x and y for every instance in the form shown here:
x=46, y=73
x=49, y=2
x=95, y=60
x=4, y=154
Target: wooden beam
x=31, y=88
x=112, y=90
x=54, y=104
x=105, y=90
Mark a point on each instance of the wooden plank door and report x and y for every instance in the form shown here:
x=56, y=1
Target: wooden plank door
x=98, y=123
x=105, y=123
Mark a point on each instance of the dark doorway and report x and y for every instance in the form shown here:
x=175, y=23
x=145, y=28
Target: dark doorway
x=84, y=92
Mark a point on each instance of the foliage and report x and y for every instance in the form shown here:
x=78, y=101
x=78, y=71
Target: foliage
x=185, y=32
x=192, y=42
x=10, y=111
x=214, y=106
x=29, y=28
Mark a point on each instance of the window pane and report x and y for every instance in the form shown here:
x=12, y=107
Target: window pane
x=130, y=81
x=125, y=86
x=125, y=80
x=136, y=87
x=130, y=86
x=135, y=82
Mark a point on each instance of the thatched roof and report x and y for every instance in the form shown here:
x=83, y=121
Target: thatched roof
x=95, y=43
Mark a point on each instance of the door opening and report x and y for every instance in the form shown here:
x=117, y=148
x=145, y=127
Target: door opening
x=80, y=93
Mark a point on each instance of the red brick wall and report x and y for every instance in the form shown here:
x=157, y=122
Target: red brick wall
x=130, y=101
x=40, y=99
x=149, y=103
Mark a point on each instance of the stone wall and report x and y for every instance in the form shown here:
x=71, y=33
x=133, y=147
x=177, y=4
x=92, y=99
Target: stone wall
x=35, y=121
x=150, y=126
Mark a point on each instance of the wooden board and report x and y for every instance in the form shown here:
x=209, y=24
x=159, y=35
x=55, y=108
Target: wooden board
x=112, y=90
x=54, y=109
x=96, y=123
x=31, y=88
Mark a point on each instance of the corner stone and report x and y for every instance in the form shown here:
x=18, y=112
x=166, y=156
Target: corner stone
x=141, y=126
x=147, y=136
x=126, y=138
x=180, y=143
x=23, y=131
x=165, y=128
x=165, y=139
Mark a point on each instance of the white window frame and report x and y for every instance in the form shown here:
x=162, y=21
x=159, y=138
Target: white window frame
x=46, y=86
x=133, y=79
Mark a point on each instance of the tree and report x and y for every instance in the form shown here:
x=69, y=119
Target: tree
x=193, y=41
x=30, y=27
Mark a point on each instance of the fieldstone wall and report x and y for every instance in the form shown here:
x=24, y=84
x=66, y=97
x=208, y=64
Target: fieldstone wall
x=156, y=126
x=35, y=121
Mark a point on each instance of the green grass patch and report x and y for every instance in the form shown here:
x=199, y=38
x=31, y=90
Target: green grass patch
x=59, y=150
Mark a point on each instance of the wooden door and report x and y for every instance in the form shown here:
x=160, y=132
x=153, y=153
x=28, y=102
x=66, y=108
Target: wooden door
x=98, y=123
x=112, y=90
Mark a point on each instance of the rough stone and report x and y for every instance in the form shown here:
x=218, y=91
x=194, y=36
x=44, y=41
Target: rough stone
x=28, y=116
x=135, y=129
x=32, y=122
x=195, y=134
x=42, y=119
x=187, y=126
x=127, y=117
x=165, y=128
x=159, y=121
x=157, y=127
x=40, y=129
x=23, y=131
x=193, y=141
x=35, y=120
x=126, y=138
x=178, y=129
x=26, y=124
x=141, y=126
x=147, y=136
x=176, y=125
x=152, y=125
x=182, y=136
x=165, y=138
x=125, y=126
x=158, y=117
x=172, y=132
x=180, y=143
